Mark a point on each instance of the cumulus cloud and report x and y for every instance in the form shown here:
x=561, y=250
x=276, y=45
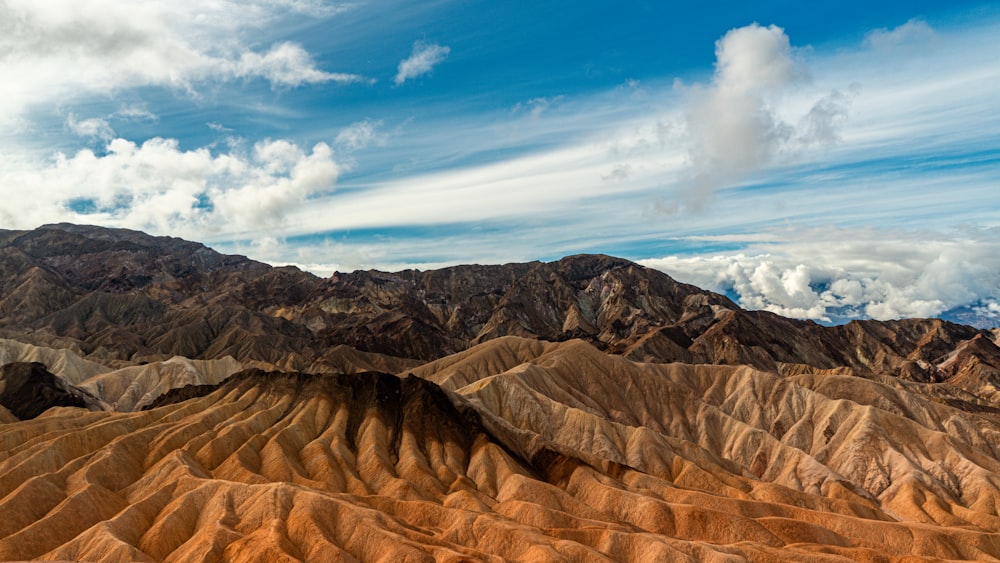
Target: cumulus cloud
x=854, y=274
x=423, y=59
x=59, y=49
x=158, y=187
x=734, y=124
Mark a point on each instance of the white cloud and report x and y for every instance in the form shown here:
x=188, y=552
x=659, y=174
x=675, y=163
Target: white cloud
x=360, y=135
x=288, y=64
x=61, y=49
x=859, y=273
x=94, y=127
x=735, y=126
x=423, y=59
x=990, y=310
x=160, y=188
x=136, y=112
x=915, y=31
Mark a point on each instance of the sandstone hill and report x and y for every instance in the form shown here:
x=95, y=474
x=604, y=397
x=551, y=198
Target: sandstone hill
x=163, y=402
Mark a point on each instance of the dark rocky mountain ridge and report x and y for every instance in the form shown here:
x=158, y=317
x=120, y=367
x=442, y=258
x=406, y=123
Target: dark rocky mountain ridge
x=124, y=296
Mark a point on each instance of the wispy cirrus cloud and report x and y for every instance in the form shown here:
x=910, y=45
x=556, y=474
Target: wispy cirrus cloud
x=914, y=31
x=360, y=135
x=422, y=60
x=314, y=8
x=285, y=64
x=535, y=107
x=61, y=49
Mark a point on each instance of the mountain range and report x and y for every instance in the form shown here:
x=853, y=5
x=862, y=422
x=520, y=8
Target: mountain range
x=164, y=402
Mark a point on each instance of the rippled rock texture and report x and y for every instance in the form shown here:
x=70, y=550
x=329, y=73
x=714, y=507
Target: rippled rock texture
x=526, y=451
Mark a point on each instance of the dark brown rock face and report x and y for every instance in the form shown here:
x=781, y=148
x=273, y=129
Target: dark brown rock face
x=128, y=295
x=27, y=390
x=124, y=295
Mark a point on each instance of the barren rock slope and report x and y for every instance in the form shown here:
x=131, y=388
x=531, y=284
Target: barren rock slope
x=122, y=297
x=272, y=467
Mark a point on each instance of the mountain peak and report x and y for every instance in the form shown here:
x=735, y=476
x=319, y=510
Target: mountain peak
x=132, y=295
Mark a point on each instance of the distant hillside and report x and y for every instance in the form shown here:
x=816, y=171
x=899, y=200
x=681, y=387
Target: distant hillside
x=124, y=296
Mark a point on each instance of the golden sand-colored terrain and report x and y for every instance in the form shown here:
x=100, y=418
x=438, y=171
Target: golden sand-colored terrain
x=527, y=451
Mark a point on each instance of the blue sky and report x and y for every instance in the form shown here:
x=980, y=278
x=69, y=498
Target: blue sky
x=819, y=161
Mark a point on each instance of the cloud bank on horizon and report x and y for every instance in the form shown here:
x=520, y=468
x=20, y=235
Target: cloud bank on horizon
x=848, y=178
x=862, y=274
